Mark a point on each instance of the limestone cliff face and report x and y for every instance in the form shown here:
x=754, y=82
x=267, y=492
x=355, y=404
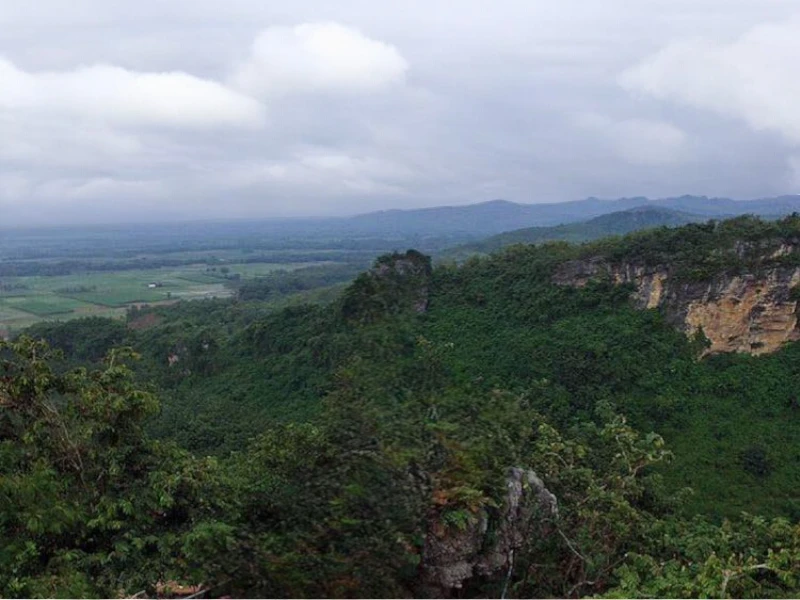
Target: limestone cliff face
x=453, y=555
x=737, y=313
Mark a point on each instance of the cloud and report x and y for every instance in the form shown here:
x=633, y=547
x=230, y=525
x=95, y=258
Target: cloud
x=321, y=170
x=794, y=172
x=13, y=186
x=128, y=98
x=152, y=109
x=638, y=141
x=50, y=142
x=318, y=57
x=105, y=188
x=754, y=78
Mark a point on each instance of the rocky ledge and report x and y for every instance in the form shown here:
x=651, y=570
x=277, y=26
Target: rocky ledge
x=753, y=313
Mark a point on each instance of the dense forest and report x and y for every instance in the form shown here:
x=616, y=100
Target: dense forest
x=471, y=430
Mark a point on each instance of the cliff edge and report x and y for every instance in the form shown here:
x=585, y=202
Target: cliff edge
x=750, y=304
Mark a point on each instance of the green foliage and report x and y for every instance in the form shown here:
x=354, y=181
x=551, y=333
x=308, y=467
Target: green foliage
x=754, y=460
x=284, y=283
x=90, y=507
x=396, y=283
x=695, y=252
x=83, y=340
x=751, y=557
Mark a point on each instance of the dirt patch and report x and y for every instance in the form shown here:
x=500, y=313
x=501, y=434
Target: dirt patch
x=146, y=321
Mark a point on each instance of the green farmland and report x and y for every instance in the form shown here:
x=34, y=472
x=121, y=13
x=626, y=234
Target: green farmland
x=44, y=305
x=27, y=300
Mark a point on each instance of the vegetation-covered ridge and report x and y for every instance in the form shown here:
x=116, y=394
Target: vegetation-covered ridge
x=616, y=223
x=742, y=245
x=371, y=446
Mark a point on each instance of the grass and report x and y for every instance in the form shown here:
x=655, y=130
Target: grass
x=202, y=278
x=43, y=305
x=119, y=288
x=12, y=319
x=116, y=293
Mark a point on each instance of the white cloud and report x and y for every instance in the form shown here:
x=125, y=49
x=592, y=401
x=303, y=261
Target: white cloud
x=754, y=78
x=129, y=98
x=316, y=57
x=638, y=141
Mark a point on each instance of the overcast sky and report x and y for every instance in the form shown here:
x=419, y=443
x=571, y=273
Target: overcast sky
x=151, y=109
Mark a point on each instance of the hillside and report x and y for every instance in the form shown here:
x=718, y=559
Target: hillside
x=616, y=223
x=512, y=321
x=529, y=420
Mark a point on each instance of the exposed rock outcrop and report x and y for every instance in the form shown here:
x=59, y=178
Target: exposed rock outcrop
x=485, y=546
x=754, y=313
x=413, y=268
x=395, y=284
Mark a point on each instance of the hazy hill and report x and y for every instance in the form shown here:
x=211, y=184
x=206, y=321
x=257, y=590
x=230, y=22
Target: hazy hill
x=497, y=216
x=617, y=223
x=427, y=229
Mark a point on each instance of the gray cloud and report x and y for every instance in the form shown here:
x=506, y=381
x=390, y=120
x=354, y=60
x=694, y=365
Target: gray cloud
x=638, y=141
x=118, y=110
x=753, y=78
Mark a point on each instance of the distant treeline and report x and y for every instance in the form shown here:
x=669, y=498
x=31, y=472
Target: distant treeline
x=6, y=286
x=126, y=246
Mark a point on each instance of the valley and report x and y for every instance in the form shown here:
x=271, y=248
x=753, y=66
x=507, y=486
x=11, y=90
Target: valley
x=67, y=273
x=611, y=409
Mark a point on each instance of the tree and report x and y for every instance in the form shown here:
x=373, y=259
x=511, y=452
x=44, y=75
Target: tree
x=89, y=506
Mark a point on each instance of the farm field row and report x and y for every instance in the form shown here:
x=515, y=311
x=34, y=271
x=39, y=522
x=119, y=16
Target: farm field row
x=26, y=300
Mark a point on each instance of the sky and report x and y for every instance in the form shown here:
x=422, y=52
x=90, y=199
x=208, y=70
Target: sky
x=146, y=110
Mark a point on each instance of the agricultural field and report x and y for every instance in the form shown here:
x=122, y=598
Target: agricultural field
x=43, y=305
x=12, y=319
x=27, y=300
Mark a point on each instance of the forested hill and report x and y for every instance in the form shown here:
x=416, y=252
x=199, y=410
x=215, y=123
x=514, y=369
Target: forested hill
x=616, y=223
x=549, y=421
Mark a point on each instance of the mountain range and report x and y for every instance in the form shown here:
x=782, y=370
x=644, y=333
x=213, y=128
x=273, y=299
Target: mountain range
x=497, y=216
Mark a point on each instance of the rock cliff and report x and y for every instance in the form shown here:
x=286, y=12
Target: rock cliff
x=453, y=555
x=754, y=313
x=396, y=283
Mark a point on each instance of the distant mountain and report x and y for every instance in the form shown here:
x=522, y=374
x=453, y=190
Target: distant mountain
x=424, y=228
x=484, y=218
x=498, y=216
x=617, y=223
